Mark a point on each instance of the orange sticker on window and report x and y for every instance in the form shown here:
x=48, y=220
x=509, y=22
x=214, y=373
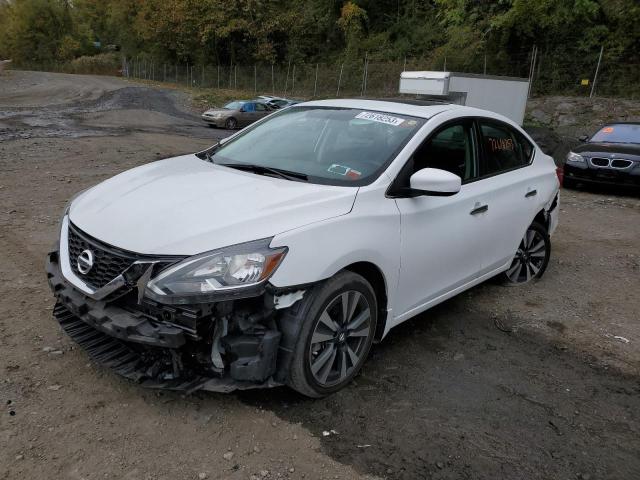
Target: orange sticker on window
x=498, y=144
x=607, y=130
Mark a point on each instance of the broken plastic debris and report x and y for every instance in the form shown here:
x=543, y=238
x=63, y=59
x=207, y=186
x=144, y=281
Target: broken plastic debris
x=617, y=337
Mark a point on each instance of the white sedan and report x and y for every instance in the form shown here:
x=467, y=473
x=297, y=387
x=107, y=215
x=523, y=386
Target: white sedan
x=280, y=254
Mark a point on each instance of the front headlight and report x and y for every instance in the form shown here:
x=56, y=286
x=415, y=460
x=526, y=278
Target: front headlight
x=574, y=157
x=229, y=270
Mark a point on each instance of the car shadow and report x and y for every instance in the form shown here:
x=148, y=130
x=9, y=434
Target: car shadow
x=458, y=393
x=605, y=189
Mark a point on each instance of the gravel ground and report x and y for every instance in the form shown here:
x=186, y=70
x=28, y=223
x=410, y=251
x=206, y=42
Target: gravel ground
x=538, y=382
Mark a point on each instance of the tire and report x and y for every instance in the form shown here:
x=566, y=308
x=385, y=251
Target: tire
x=569, y=183
x=231, y=124
x=532, y=257
x=316, y=371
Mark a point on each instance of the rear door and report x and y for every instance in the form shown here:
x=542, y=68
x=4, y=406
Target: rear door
x=511, y=185
x=262, y=110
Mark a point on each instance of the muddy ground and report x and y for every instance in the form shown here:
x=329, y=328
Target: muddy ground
x=538, y=382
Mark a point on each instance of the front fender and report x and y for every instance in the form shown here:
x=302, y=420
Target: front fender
x=369, y=233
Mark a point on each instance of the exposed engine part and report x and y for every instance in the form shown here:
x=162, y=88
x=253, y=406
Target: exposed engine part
x=285, y=301
x=221, y=346
x=254, y=357
x=216, y=347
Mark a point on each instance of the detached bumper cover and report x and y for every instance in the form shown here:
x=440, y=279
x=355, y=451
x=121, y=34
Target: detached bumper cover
x=159, y=354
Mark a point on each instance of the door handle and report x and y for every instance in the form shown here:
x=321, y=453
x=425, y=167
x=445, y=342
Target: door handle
x=479, y=209
x=531, y=193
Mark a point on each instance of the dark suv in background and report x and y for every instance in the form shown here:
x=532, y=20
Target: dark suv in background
x=610, y=156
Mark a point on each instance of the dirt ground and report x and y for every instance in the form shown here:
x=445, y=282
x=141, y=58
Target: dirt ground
x=537, y=382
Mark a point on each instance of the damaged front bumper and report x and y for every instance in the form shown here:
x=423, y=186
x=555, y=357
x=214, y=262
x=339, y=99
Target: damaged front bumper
x=222, y=346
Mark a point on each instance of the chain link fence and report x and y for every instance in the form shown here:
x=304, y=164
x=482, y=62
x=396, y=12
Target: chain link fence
x=550, y=73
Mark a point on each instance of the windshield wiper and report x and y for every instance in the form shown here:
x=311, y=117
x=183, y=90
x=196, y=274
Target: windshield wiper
x=262, y=170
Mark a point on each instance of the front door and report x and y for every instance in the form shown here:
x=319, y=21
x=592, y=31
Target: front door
x=442, y=238
x=248, y=114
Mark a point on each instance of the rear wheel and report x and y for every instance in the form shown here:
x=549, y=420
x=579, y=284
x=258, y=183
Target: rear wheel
x=336, y=336
x=231, y=124
x=532, y=257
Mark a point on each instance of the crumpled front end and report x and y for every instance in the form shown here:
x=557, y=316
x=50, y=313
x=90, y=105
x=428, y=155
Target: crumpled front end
x=234, y=343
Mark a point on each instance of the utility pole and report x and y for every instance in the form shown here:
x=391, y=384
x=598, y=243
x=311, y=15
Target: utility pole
x=286, y=83
x=315, y=83
x=595, y=77
x=532, y=69
x=339, y=79
x=364, y=74
x=273, y=81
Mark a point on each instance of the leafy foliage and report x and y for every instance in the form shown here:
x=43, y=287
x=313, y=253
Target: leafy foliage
x=248, y=31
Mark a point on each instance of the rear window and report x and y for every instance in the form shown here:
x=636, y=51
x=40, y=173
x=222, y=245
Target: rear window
x=504, y=148
x=621, y=133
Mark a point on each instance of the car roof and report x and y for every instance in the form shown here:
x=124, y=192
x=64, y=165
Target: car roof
x=424, y=110
x=412, y=107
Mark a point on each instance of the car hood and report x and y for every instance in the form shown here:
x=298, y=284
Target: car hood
x=621, y=150
x=185, y=206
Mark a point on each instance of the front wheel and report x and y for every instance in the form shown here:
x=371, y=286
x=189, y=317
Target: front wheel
x=336, y=336
x=231, y=124
x=532, y=257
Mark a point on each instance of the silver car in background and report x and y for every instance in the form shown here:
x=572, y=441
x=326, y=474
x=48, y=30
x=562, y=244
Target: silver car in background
x=236, y=114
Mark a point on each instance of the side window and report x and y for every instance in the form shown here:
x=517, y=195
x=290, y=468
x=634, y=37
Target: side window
x=450, y=149
x=260, y=107
x=504, y=148
x=249, y=107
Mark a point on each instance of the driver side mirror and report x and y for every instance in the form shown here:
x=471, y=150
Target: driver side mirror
x=435, y=182
x=583, y=138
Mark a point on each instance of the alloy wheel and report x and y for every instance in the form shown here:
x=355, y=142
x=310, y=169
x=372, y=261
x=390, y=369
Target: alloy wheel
x=339, y=339
x=530, y=257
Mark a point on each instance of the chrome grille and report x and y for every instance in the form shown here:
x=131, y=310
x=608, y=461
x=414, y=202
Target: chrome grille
x=108, y=261
x=619, y=163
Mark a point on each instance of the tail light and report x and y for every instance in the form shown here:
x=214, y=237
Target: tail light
x=560, y=173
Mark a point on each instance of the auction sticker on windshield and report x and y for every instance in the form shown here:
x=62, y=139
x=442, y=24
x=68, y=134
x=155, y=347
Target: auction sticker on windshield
x=380, y=118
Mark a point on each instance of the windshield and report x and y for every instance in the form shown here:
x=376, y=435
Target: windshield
x=620, y=133
x=335, y=146
x=234, y=105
